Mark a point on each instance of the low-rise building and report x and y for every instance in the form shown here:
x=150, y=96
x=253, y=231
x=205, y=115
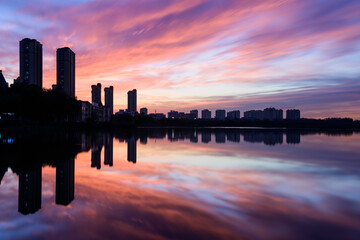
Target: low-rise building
x=143, y=111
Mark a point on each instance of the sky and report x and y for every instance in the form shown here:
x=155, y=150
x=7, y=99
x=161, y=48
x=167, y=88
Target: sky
x=198, y=54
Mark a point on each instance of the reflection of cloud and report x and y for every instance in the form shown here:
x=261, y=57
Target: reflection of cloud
x=169, y=195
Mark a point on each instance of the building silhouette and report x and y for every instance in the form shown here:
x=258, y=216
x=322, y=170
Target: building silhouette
x=65, y=70
x=30, y=190
x=3, y=83
x=220, y=114
x=233, y=115
x=292, y=114
x=195, y=114
x=65, y=177
x=131, y=153
x=109, y=102
x=273, y=114
x=143, y=111
x=206, y=114
x=254, y=115
x=109, y=99
x=31, y=62
x=96, y=95
x=132, y=107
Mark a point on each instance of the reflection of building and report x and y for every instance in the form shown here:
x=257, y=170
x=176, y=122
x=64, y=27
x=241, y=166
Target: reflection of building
x=292, y=114
x=233, y=136
x=131, y=153
x=30, y=62
x=65, y=70
x=65, y=172
x=30, y=191
x=206, y=114
x=206, y=137
x=3, y=170
x=194, y=137
x=143, y=139
x=233, y=115
x=220, y=114
x=85, y=142
x=96, y=152
x=220, y=137
x=268, y=138
x=132, y=102
x=108, y=158
x=292, y=137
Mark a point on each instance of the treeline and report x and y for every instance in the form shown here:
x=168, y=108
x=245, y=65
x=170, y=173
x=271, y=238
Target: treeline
x=30, y=102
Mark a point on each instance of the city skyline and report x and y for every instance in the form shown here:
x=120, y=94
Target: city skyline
x=200, y=54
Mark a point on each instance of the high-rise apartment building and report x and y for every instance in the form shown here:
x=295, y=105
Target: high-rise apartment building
x=292, y=114
x=132, y=102
x=206, y=114
x=109, y=99
x=194, y=114
x=233, y=115
x=96, y=94
x=220, y=114
x=65, y=70
x=30, y=62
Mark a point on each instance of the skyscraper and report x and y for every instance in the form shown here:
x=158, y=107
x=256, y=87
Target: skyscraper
x=31, y=62
x=96, y=94
x=132, y=102
x=65, y=70
x=109, y=99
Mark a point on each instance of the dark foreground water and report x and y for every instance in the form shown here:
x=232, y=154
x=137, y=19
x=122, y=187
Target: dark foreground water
x=180, y=184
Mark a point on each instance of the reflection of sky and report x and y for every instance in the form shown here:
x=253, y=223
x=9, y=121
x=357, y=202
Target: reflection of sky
x=182, y=190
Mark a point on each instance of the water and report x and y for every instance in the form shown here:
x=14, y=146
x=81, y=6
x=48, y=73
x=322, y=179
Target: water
x=180, y=184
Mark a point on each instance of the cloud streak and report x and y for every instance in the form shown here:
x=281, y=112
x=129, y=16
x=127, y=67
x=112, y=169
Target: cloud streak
x=174, y=49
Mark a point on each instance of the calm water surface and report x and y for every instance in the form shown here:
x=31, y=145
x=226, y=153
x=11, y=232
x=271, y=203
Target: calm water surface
x=180, y=184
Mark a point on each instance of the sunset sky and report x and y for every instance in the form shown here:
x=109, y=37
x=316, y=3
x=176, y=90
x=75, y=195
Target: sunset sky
x=197, y=54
